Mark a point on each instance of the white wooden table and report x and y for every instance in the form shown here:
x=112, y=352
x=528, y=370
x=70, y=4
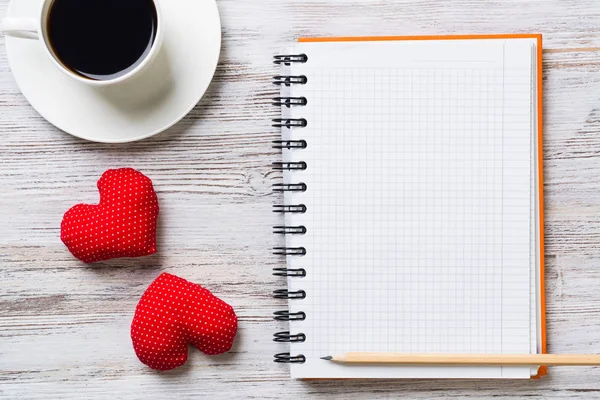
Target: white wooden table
x=64, y=326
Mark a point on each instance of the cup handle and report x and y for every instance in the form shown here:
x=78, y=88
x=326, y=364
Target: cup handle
x=25, y=28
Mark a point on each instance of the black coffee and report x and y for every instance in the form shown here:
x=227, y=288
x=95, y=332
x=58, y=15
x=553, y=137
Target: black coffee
x=102, y=39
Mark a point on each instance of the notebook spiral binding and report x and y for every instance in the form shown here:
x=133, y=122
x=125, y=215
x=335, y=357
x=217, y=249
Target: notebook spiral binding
x=290, y=145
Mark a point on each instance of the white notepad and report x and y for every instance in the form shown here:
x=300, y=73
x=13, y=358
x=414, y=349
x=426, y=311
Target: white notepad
x=422, y=203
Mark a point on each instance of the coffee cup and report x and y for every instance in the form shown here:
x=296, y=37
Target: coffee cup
x=96, y=42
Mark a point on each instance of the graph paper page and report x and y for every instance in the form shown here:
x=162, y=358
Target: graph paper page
x=419, y=204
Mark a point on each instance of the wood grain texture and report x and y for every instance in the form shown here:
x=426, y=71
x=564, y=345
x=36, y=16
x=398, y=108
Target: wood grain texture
x=64, y=326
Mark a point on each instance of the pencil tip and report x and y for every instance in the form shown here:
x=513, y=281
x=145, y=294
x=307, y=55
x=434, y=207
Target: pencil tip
x=328, y=358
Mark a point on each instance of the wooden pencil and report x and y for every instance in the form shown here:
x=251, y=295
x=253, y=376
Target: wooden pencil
x=465, y=359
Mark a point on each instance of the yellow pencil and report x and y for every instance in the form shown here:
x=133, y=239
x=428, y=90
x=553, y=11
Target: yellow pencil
x=465, y=359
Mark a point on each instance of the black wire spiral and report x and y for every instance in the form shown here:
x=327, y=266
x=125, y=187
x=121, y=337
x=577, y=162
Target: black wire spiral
x=288, y=80
x=287, y=337
x=291, y=58
x=288, y=316
x=293, y=187
x=290, y=230
x=289, y=101
x=300, y=273
x=289, y=144
x=283, y=209
x=290, y=166
x=289, y=359
x=298, y=144
x=290, y=123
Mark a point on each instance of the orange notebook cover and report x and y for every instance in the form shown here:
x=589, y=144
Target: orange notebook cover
x=538, y=38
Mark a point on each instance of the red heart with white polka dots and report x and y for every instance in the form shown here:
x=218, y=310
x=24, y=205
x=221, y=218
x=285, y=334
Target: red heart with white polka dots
x=123, y=224
x=174, y=312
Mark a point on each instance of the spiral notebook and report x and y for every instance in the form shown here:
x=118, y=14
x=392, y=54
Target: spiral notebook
x=413, y=202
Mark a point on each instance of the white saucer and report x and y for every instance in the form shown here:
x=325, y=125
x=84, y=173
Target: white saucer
x=148, y=104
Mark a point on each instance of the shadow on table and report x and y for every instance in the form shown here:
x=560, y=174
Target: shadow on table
x=429, y=388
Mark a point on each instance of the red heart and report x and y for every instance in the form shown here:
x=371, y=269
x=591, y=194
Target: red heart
x=174, y=312
x=123, y=224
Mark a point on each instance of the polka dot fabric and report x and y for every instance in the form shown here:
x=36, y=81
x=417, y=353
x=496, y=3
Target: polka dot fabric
x=123, y=224
x=174, y=312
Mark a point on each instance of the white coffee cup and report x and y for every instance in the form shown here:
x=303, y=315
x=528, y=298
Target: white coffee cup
x=37, y=29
